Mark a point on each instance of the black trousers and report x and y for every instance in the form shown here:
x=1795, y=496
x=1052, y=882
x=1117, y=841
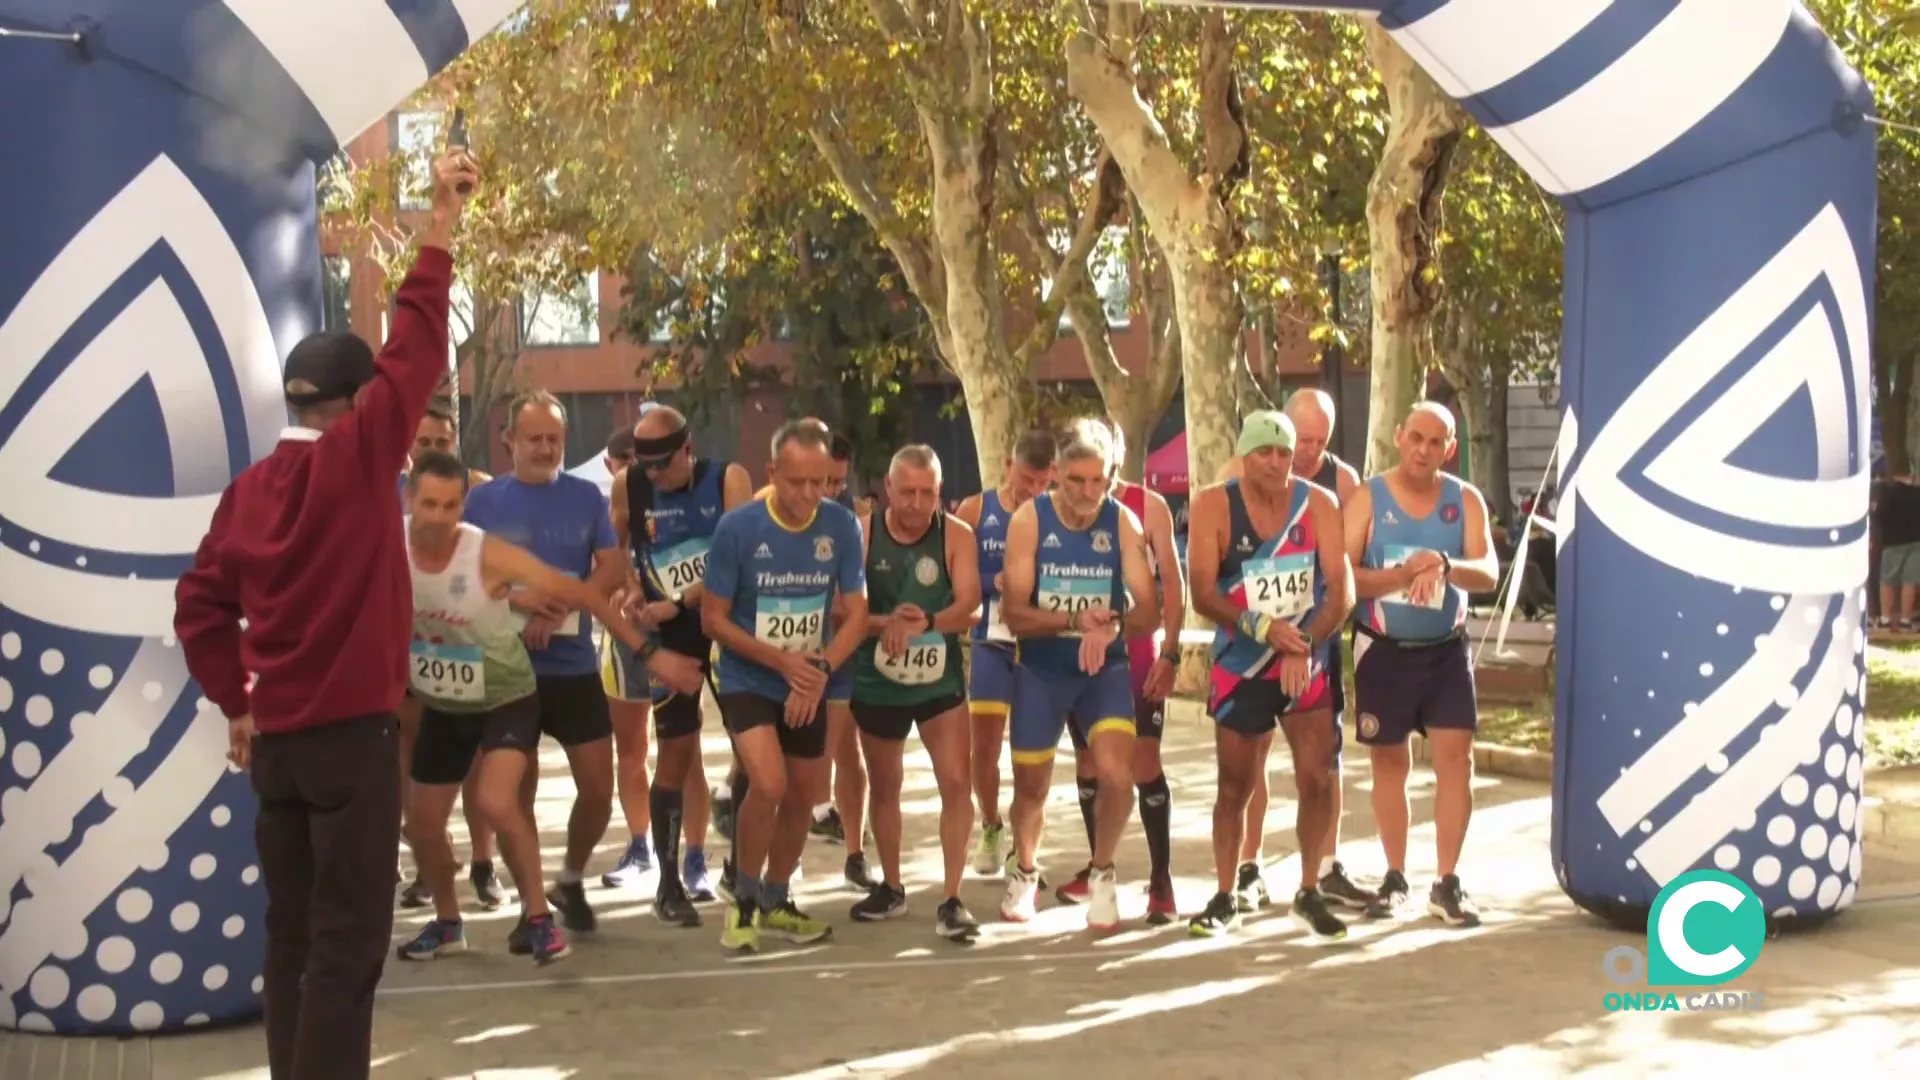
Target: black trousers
x=328, y=833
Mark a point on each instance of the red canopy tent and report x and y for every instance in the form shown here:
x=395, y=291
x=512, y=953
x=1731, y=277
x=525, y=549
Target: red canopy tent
x=1167, y=467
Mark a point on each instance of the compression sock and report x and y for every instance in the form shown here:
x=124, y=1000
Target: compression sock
x=1089, y=792
x=1156, y=817
x=665, y=806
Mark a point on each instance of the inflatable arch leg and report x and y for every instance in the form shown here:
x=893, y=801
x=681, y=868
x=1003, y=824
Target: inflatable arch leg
x=158, y=257
x=1719, y=182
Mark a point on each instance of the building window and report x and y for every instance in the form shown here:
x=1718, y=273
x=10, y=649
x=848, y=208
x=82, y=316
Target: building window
x=415, y=135
x=572, y=317
x=336, y=290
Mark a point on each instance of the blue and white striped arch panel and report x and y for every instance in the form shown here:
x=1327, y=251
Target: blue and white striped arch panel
x=1719, y=183
x=158, y=257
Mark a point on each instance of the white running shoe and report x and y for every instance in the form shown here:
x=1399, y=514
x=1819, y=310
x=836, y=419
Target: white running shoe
x=1022, y=887
x=1103, y=900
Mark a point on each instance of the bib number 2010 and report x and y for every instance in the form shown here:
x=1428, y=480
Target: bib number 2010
x=448, y=672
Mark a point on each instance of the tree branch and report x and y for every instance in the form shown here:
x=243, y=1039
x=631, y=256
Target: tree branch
x=1133, y=136
x=1069, y=275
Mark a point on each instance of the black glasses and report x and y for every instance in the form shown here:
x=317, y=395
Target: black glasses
x=655, y=464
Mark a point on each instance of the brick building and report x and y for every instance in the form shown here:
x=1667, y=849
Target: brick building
x=570, y=349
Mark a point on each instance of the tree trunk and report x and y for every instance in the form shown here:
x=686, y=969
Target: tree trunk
x=1496, y=476
x=962, y=160
x=1403, y=206
x=1188, y=217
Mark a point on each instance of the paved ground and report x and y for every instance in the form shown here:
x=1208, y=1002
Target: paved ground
x=1518, y=997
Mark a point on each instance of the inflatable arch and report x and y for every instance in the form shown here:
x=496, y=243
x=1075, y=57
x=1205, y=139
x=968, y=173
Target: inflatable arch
x=160, y=257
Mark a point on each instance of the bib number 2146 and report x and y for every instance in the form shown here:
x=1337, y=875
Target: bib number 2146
x=924, y=661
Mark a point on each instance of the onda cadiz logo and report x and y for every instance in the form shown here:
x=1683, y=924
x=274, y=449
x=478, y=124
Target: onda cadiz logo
x=150, y=339
x=1706, y=929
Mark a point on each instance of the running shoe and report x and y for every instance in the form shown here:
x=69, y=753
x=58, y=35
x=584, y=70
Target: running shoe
x=789, y=922
x=992, y=850
x=1222, y=916
x=882, y=902
x=545, y=940
x=1311, y=913
x=672, y=906
x=570, y=900
x=1022, y=887
x=698, y=880
x=1161, y=907
x=635, y=863
x=486, y=885
x=437, y=938
x=1103, y=899
x=1250, y=889
x=1451, y=904
x=1077, y=890
x=954, y=922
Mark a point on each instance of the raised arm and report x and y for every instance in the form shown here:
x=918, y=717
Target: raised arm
x=1479, y=571
x=414, y=358
x=1136, y=571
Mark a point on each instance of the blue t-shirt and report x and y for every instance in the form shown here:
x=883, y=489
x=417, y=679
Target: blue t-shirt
x=562, y=524
x=781, y=581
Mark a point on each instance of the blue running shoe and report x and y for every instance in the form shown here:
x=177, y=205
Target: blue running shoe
x=437, y=938
x=549, y=944
x=636, y=863
x=699, y=881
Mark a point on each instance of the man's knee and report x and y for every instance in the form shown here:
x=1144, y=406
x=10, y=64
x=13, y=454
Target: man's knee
x=1030, y=782
x=1452, y=752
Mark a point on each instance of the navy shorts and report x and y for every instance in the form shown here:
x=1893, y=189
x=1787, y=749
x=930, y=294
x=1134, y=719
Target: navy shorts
x=1043, y=705
x=1399, y=689
x=990, y=683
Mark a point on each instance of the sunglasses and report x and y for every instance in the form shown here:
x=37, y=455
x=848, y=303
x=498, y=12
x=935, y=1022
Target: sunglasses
x=655, y=464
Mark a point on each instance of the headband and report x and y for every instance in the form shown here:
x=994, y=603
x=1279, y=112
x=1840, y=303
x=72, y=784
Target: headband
x=661, y=446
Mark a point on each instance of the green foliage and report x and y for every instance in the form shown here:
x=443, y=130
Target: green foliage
x=1878, y=37
x=1501, y=254
x=806, y=273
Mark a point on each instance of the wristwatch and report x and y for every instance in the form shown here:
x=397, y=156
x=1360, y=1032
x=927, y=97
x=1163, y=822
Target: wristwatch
x=825, y=668
x=648, y=647
x=1171, y=655
x=1446, y=565
x=1309, y=637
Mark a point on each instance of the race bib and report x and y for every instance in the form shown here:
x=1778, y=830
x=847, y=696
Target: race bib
x=1075, y=595
x=681, y=566
x=1397, y=556
x=924, y=661
x=996, y=622
x=791, y=625
x=1282, y=587
x=448, y=672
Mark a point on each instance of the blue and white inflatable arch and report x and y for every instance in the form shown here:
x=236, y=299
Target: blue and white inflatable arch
x=158, y=257
x=1717, y=170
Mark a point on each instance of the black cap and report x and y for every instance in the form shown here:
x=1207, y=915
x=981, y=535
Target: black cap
x=327, y=367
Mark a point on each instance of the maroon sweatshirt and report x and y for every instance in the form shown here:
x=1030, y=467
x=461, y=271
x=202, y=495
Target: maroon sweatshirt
x=306, y=547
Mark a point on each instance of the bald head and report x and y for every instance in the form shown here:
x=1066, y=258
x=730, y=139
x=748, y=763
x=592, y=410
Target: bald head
x=1311, y=411
x=1436, y=412
x=657, y=421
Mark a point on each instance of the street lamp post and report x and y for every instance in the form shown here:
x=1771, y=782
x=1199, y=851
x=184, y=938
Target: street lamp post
x=1332, y=356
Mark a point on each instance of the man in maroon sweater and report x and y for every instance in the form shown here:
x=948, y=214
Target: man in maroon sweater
x=306, y=548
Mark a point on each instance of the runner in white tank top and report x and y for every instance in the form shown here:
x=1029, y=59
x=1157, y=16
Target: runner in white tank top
x=471, y=671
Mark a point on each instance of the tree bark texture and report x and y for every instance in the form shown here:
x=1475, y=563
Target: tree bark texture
x=1403, y=208
x=1187, y=215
